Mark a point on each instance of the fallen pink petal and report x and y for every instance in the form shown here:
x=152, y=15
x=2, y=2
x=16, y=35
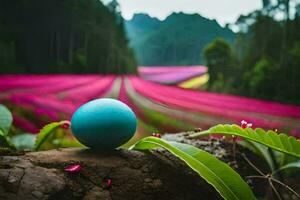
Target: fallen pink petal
x=108, y=183
x=73, y=168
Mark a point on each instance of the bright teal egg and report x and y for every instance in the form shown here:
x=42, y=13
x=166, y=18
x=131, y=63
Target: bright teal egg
x=104, y=124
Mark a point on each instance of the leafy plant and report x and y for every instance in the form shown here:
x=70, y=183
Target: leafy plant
x=55, y=135
x=5, y=141
x=49, y=137
x=262, y=142
x=24, y=141
x=45, y=133
x=290, y=165
x=17, y=142
x=280, y=142
x=261, y=150
x=5, y=124
x=217, y=173
x=6, y=119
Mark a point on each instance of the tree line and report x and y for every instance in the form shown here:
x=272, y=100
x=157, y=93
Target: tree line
x=63, y=36
x=265, y=60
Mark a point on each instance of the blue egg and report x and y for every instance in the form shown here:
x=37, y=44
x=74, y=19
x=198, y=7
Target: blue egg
x=104, y=124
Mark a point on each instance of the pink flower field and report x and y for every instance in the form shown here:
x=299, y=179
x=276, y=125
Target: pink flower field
x=171, y=75
x=39, y=99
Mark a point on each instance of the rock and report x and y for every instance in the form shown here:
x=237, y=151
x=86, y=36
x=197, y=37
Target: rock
x=135, y=175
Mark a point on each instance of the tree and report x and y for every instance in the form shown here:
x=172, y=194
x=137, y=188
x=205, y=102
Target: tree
x=261, y=78
x=219, y=59
x=64, y=36
x=265, y=48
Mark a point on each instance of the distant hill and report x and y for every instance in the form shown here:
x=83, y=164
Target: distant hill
x=177, y=40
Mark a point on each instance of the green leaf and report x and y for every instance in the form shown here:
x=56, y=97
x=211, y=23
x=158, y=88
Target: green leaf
x=291, y=165
x=5, y=142
x=45, y=134
x=67, y=142
x=24, y=141
x=260, y=150
x=285, y=159
x=280, y=142
x=217, y=173
x=6, y=119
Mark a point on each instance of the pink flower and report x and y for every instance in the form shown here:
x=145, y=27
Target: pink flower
x=156, y=135
x=66, y=125
x=245, y=124
x=249, y=125
x=73, y=168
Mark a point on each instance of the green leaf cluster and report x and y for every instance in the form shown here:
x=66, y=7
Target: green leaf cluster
x=52, y=136
x=5, y=124
x=49, y=137
x=281, y=142
x=15, y=142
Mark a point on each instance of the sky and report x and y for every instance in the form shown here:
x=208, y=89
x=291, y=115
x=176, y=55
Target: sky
x=224, y=11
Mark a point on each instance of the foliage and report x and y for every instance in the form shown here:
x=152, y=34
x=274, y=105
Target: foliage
x=223, y=178
x=5, y=141
x=5, y=124
x=177, y=40
x=45, y=133
x=260, y=150
x=260, y=79
x=257, y=140
x=291, y=165
x=66, y=36
x=280, y=142
x=266, y=55
x=24, y=141
x=51, y=136
x=5, y=119
x=219, y=58
x=54, y=136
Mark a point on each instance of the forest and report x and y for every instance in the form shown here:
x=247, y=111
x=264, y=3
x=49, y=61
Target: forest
x=63, y=36
x=264, y=61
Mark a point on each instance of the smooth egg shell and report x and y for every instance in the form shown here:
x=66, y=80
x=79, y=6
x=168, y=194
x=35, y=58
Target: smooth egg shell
x=104, y=124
